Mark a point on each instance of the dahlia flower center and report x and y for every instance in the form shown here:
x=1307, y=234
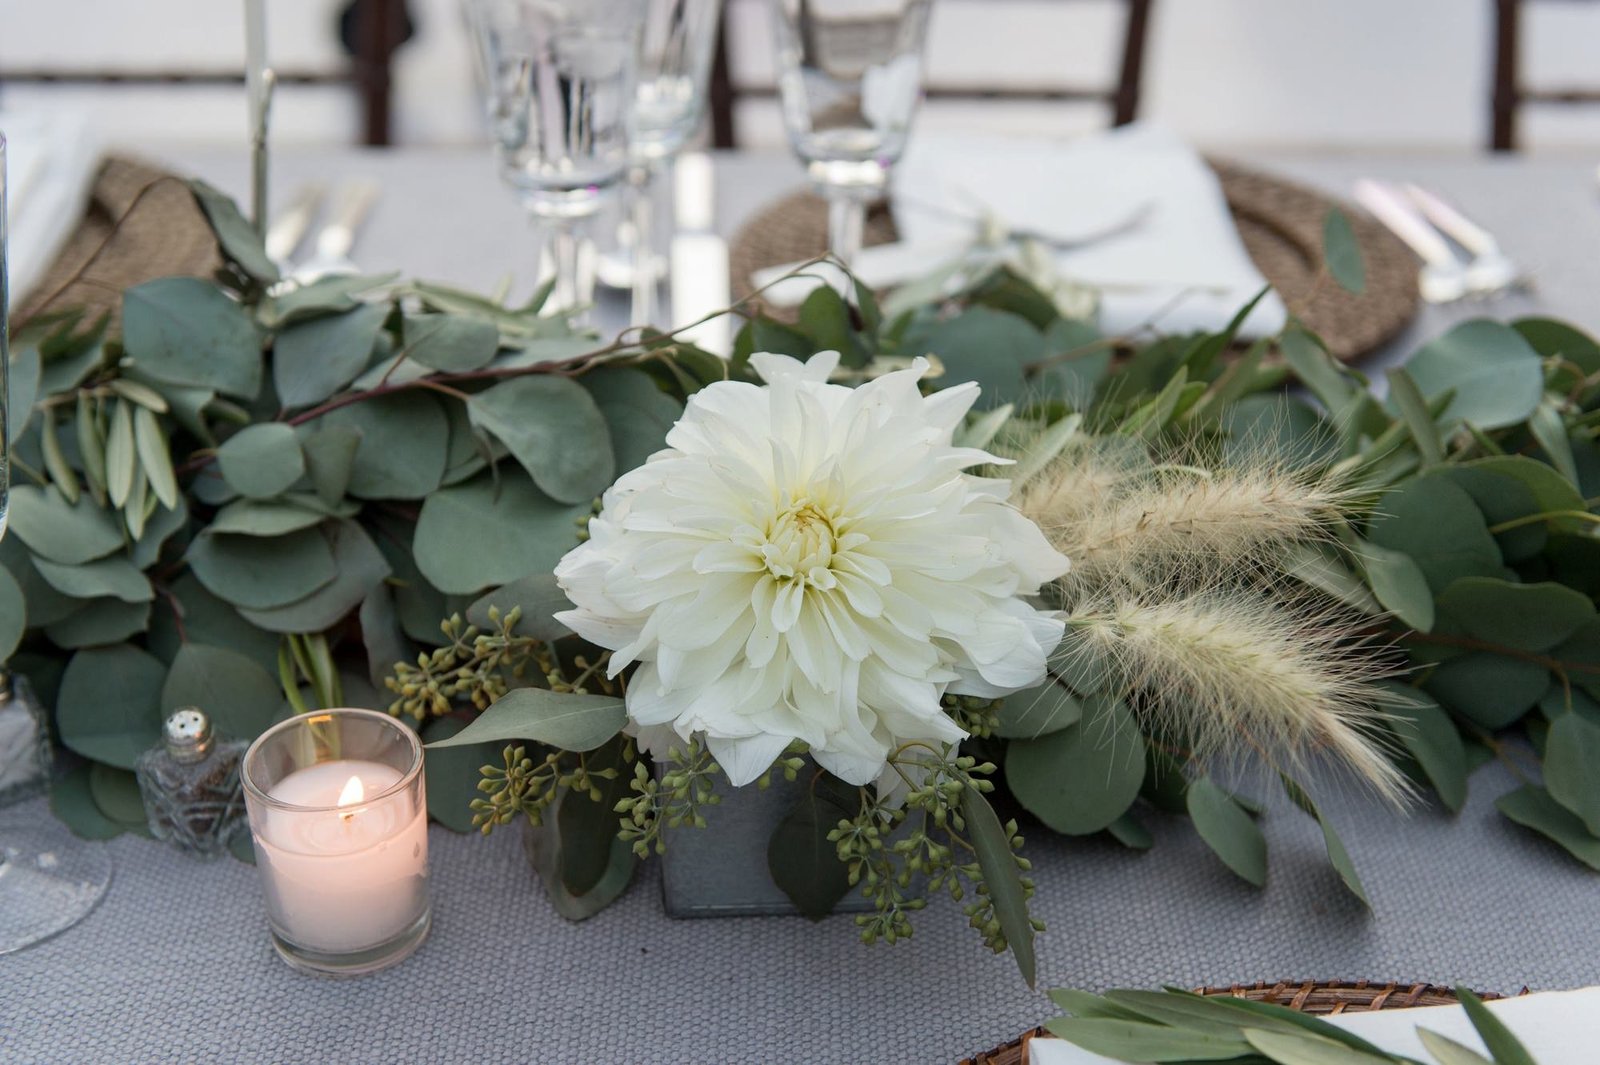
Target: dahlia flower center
x=802, y=540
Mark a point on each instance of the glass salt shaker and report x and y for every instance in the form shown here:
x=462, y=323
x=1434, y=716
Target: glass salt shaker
x=193, y=798
x=25, y=756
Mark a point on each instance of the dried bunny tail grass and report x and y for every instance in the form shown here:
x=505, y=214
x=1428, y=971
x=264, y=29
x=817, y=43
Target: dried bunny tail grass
x=1241, y=674
x=1180, y=519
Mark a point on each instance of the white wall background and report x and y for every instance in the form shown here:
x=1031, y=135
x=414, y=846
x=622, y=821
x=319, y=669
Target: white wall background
x=1410, y=74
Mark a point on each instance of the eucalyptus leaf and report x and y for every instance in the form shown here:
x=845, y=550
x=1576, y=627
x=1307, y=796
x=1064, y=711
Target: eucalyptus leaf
x=803, y=863
x=161, y=527
x=1082, y=778
x=990, y=347
x=1435, y=522
x=24, y=383
x=555, y=430
x=116, y=793
x=1342, y=252
x=115, y=576
x=382, y=637
x=329, y=295
x=359, y=567
x=1533, y=807
x=1560, y=340
x=240, y=697
x=1228, y=830
x=404, y=437
x=63, y=532
x=1322, y=567
x=330, y=457
x=98, y=622
x=638, y=414
x=1571, y=754
x=312, y=360
x=539, y=598
x=546, y=853
x=1449, y=1052
x=1398, y=583
x=72, y=802
x=1338, y=856
x=1137, y=1041
x=1130, y=832
x=109, y=706
x=43, y=604
x=450, y=342
x=992, y=843
x=1551, y=432
x=1429, y=736
x=266, y=518
x=206, y=620
x=1299, y=1048
x=452, y=773
x=1526, y=617
x=1038, y=711
x=261, y=573
x=1495, y=376
x=262, y=461
x=187, y=332
x=469, y=537
x=1497, y=1038
x=570, y=722
x=13, y=615
x=588, y=822
x=1489, y=689
x=239, y=241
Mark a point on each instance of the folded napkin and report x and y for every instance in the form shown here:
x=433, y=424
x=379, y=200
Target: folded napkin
x=51, y=161
x=1181, y=267
x=1557, y=1027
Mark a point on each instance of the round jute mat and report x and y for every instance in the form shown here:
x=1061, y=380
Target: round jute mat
x=1307, y=996
x=1279, y=221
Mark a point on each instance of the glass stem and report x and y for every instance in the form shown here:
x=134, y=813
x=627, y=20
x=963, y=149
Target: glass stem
x=847, y=216
x=563, y=250
x=641, y=210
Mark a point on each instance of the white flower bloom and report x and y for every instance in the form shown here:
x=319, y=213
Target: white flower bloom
x=809, y=561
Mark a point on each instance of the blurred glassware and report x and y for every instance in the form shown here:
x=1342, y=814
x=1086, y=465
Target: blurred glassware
x=849, y=76
x=558, y=80
x=675, y=52
x=49, y=879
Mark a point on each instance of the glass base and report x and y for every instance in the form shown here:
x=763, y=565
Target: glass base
x=359, y=962
x=863, y=179
x=49, y=880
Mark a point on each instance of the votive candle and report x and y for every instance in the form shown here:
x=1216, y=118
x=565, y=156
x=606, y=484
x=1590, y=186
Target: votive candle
x=338, y=816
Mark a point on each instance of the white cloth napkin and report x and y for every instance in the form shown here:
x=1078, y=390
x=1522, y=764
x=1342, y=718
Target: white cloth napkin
x=1557, y=1027
x=1182, y=268
x=51, y=160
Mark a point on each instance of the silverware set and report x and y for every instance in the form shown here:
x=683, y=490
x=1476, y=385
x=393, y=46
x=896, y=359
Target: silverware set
x=1460, y=258
x=329, y=253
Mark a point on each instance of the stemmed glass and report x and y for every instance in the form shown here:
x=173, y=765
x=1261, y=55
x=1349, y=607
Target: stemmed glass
x=49, y=879
x=675, y=52
x=558, y=80
x=850, y=76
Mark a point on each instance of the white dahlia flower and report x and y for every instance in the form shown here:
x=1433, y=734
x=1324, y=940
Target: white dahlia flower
x=809, y=561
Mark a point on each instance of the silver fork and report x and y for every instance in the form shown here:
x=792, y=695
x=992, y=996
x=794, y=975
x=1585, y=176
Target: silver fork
x=1443, y=278
x=331, y=254
x=1490, y=271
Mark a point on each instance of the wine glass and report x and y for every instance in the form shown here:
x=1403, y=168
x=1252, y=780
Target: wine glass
x=675, y=52
x=558, y=81
x=49, y=879
x=849, y=76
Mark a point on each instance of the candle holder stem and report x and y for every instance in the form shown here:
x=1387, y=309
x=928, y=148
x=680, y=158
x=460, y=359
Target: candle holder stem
x=258, y=152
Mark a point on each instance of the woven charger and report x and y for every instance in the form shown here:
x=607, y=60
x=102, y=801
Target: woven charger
x=1279, y=221
x=1321, y=999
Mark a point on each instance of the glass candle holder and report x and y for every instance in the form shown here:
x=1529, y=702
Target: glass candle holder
x=339, y=818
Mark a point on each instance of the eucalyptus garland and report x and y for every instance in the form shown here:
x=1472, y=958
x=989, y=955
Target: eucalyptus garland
x=262, y=499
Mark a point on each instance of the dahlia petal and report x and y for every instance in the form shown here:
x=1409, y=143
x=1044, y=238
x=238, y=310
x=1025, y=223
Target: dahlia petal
x=746, y=758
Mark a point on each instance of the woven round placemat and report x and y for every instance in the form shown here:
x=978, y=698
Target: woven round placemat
x=1322, y=998
x=1279, y=221
x=141, y=223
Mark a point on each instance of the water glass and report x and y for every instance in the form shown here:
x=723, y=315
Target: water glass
x=675, y=51
x=558, y=80
x=5, y=355
x=850, y=77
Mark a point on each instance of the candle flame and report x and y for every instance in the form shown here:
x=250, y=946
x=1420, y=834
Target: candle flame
x=353, y=792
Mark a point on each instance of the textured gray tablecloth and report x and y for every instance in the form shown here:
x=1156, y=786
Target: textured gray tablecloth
x=175, y=966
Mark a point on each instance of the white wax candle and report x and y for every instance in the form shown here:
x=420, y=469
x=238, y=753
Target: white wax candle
x=345, y=879
x=255, y=57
